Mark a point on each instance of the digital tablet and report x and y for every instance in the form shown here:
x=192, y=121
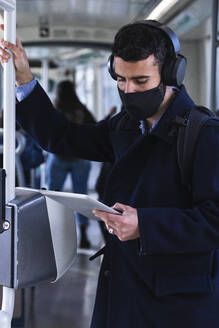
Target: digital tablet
x=80, y=203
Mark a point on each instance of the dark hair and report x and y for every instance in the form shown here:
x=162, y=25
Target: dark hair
x=66, y=99
x=137, y=42
x=67, y=102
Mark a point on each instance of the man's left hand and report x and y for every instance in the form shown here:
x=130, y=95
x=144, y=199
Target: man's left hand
x=124, y=225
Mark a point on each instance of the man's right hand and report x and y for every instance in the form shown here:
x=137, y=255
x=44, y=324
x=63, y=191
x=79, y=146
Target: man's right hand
x=23, y=72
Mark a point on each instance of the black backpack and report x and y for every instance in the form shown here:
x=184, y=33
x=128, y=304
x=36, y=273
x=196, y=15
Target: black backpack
x=188, y=133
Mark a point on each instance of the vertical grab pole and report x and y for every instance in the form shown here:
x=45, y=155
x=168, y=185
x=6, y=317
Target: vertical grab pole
x=9, y=109
x=98, y=89
x=9, y=7
x=45, y=85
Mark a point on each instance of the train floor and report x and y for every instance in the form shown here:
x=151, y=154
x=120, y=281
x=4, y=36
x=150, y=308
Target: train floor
x=69, y=302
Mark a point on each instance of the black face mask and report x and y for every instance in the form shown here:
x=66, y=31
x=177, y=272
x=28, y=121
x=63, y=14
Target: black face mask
x=142, y=105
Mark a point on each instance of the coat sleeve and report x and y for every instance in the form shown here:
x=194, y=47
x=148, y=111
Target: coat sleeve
x=56, y=134
x=196, y=229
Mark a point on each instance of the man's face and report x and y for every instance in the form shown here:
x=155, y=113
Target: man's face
x=137, y=76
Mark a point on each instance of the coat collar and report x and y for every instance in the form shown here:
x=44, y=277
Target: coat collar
x=181, y=104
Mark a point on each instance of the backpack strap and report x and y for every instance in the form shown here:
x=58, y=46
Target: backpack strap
x=188, y=133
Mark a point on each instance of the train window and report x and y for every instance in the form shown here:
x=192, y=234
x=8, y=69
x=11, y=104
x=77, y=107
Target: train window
x=84, y=80
x=86, y=66
x=110, y=93
x=96, y=88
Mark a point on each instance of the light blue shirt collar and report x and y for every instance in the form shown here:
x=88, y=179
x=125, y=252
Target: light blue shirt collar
x=143, y=125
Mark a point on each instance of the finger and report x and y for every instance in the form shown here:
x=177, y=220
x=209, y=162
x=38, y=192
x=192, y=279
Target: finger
x=11, y=47
x=119, y=207
x=4, y=54
x=2, y=27
x=101, y=215
x=106, y=216
x=112, y=229
x=19, y=44
x=2, y=60
x=108, y=227
x=111, y=222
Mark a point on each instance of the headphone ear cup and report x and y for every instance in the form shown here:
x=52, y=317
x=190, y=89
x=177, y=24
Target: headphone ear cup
x=174, y=70
x=111, y=69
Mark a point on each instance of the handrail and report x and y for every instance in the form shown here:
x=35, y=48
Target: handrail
x=9, y=7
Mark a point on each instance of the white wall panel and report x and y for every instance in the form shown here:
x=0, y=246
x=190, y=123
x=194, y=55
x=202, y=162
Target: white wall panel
x=198, y=53
x=190, y=51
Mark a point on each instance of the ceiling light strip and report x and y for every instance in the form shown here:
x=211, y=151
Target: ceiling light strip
x=161, y=9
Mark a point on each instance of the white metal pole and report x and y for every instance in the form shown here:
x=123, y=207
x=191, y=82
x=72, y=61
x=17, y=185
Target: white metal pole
x=98, y=90
x=9, y=8
x=45, y=74
x=45, y=85
x=9, y=109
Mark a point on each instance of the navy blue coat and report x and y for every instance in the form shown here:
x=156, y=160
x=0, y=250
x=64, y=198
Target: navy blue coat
x=169, y=277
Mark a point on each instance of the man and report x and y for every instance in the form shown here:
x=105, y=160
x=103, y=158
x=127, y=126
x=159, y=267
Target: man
x=160, y=265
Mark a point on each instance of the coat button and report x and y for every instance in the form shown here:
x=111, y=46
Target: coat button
x=106, y=273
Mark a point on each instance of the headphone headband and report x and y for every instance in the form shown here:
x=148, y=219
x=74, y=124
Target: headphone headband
x=169, y=33
x=173, y=70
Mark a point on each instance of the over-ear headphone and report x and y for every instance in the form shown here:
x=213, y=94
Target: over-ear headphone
x=173, y=70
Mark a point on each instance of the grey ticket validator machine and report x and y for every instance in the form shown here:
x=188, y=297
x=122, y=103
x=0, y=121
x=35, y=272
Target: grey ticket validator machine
x=40, y=244
x=38, y=236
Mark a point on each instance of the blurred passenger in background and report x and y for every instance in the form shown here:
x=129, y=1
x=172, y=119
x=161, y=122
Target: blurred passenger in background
x=58, y=167
x=31, y=158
